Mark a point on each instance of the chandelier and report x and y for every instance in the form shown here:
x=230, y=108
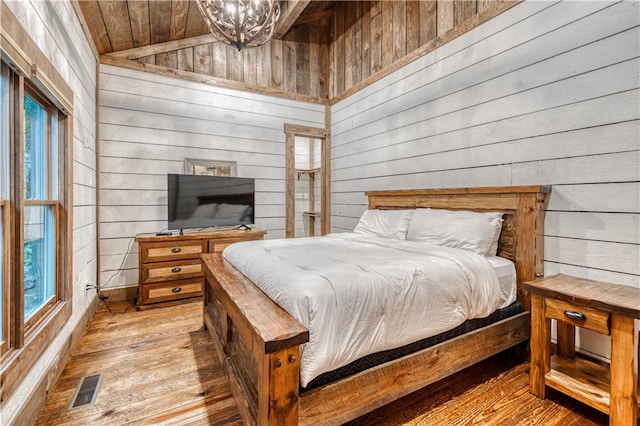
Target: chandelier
x=241, y=23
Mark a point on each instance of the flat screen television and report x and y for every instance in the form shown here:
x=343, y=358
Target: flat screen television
x=196, y=201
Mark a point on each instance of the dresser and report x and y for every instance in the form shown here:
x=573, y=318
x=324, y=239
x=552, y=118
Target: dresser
x=169, y=266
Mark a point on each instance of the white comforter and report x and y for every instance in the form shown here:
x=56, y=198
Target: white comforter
x=358, y=294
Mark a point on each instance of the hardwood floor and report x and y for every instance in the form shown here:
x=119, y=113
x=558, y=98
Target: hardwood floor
x=160, y=367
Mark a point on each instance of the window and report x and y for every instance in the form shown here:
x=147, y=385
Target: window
x=39, y=221
x=35, y=222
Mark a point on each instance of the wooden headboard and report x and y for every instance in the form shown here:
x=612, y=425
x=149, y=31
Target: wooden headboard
x=521, y=239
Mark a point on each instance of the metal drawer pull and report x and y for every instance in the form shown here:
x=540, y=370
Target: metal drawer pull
x=176, y=250
x=176, y=290
x=176, y=269
x=575, y=315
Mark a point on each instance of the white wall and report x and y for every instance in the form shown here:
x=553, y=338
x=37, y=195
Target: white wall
x=545, y=93
x=149, y=124
x=55, y=29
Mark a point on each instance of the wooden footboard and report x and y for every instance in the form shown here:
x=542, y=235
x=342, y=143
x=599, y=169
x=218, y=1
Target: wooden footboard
x=259, y=343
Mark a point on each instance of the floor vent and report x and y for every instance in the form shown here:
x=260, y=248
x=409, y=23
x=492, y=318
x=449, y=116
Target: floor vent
x=87, y=391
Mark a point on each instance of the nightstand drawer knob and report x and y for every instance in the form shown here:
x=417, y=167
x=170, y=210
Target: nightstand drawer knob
x=575, y=315
x=176, y=290
x=176, y=269
x=176, y=250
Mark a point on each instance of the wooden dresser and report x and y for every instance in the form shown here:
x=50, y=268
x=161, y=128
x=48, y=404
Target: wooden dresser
x=169, y=266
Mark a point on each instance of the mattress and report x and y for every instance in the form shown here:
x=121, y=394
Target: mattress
x=379, y=358
x=359, y=295
x=506, y=272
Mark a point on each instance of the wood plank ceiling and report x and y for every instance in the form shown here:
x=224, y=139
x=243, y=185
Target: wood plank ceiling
x=321, y=51
x=118, y=25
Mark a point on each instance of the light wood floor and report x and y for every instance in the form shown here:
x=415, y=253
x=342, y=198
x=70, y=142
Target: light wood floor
x=160, y=367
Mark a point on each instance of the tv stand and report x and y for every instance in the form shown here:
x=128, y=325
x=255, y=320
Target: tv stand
x=169, y=266
x=243, y=227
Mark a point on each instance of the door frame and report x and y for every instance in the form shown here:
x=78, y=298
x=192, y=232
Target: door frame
x=291, y=131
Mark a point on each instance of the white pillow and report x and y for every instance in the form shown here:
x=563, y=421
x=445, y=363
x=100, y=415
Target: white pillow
x=472, y=231
x=205, y=211
x=384, y=223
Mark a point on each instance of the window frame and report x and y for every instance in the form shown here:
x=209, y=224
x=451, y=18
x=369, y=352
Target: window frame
x=26, y=341
x=46, y=200
x=7, y=290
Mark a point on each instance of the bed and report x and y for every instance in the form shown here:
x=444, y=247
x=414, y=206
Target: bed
x=259, y=342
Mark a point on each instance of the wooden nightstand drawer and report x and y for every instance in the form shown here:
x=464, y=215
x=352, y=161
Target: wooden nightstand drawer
x=579, y=316
x=158, y=252
x=174, y=290
x=167, y=271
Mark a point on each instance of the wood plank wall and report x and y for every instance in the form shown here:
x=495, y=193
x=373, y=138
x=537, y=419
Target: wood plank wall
x=151, y=123
x=369, y=36
x=545, y=93
x=327, y=57
x=298, y=64
x=55, y=28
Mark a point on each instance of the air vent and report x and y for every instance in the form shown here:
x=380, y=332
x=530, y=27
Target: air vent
x=87, y=391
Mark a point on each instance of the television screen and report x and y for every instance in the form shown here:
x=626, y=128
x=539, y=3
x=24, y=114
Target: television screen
x=209, y=201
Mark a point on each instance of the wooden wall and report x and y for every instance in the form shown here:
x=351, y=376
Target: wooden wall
x=369, y=36
x=55, y=28
x=545, y=93
x=325, y=58
x=149, y=124
x=297, y=64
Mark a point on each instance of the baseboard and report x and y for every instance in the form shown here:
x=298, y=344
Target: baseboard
x=120, y=294
x=38, y=397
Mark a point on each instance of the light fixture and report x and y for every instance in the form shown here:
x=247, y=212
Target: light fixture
x=241, y=23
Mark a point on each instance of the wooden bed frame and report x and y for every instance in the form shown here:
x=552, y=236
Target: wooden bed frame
x=259, y=343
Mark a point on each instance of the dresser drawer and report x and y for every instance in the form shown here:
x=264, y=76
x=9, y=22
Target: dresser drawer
x=158, y=252
x=580, y=316
x=174, y=290
x=217, y=246
x=167, y=271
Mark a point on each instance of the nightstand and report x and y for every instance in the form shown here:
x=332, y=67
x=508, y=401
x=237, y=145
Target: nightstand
x=605, y=308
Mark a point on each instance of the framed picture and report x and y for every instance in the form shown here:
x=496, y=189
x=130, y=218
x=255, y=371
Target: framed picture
x=194, y=166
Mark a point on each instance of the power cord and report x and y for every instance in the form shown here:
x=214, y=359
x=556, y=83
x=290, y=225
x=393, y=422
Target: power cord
x=104, y=298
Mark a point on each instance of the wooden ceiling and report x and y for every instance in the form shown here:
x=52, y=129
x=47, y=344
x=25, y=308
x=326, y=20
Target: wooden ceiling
x=117, y=25
x=321, y=50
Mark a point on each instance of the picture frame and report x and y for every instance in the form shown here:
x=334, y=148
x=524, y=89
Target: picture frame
x=194, y=166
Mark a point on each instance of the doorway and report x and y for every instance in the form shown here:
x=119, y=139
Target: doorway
x=307, y=181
